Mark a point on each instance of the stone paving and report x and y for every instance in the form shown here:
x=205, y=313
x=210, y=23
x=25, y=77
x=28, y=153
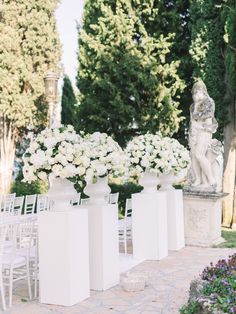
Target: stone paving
x=167, y=290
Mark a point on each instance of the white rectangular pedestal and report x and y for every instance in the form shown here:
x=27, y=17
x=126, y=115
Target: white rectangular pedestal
x=63, y=257
x=149, y=226
x=202, y=218
x=175, y=219
x=103, y=246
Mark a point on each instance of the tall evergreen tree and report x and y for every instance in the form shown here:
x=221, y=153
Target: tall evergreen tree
x=127, y=86
x=29, y=46
x=207, y=46
x=173, y=17
x=68, y=103
x=213, y=50
x=229, y=182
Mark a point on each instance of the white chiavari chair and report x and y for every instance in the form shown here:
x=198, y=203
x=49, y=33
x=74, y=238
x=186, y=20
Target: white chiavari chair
x=113, y=198
x=3, y=235
x=29, y=247
x=42, y=203
x=125, y=225
x=16, y=258
x=7, y=203
x=18, y=205
x=76, y=201
x=84, y=201
x=30, y=203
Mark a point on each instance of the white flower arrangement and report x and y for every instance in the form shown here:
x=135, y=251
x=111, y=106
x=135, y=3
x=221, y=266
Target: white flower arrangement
x=106, y=157
x=157, y=154
x=53, y=152
x=60, y=152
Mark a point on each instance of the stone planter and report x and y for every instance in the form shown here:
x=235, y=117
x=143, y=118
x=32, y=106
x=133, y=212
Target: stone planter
x=98, y=191
x=149, y=181
x=166, y=181
x=60, y=194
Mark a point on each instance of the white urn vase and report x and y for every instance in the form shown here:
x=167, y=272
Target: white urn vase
x=60, y=194
x=149, y=181
x=99, y=191
x=166, y=181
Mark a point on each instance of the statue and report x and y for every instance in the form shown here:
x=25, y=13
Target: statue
x=205, y=171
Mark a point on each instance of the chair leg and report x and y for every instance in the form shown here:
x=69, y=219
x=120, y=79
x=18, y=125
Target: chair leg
x=2, y=292
x=35, y=280
x=10, y=286
x=28, y=279
x=125, y=242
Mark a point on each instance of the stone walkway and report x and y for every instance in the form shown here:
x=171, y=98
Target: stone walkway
x=166, y=292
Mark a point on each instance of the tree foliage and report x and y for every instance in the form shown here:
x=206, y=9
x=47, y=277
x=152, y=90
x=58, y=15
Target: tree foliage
x=207, y=47
x=29, y=46
x=229, y=182
x=126, y=82
x=173, y=17
x=229, y=18
x=68, y=103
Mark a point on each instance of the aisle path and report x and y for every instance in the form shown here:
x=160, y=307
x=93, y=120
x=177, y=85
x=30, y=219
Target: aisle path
x=167, y=289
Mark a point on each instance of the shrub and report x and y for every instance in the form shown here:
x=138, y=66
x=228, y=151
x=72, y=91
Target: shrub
x=23, y=188
x=125, y=191
x=218, y=292
x=192, y=308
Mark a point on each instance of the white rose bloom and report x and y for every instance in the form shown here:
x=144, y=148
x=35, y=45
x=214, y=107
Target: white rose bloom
x=69, y=157
x=70, y=170
x=33, y=147
x=50, y=142
x=28, y=172
x=85, y=161
x=81, y=171
x=101, y=170
x=49, y=152
x=38, y=159
x=51, y=161
x=144, y=162
x=70, y=128
x=42, y=175
x=56, y=170
x=61, y=159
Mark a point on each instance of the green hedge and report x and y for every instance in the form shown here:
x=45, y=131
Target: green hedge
x=39, y=187
x=125, y=191
x=22, y=188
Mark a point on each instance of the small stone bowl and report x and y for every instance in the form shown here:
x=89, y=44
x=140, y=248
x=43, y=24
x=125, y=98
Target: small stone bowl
x=133, y=282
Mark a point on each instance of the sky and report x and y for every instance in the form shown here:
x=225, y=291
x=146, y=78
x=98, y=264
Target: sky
x=68, y=12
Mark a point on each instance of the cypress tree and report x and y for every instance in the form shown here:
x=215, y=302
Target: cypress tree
x=68, y=103
x=127, y=85
x=207, y=46
x=173, y=17
x=29, y=47
x=229, y=182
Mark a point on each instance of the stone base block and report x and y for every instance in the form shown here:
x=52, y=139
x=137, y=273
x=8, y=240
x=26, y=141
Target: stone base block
x=202, y=218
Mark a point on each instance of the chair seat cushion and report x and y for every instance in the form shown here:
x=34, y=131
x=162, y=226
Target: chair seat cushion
x=125, y=223
x=15, y=260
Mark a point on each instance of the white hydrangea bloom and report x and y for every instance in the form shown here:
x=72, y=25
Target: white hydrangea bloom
x=157, y=154
x=52, y=152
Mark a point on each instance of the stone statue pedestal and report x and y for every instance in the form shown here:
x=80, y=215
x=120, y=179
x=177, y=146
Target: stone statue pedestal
x=202, y=218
